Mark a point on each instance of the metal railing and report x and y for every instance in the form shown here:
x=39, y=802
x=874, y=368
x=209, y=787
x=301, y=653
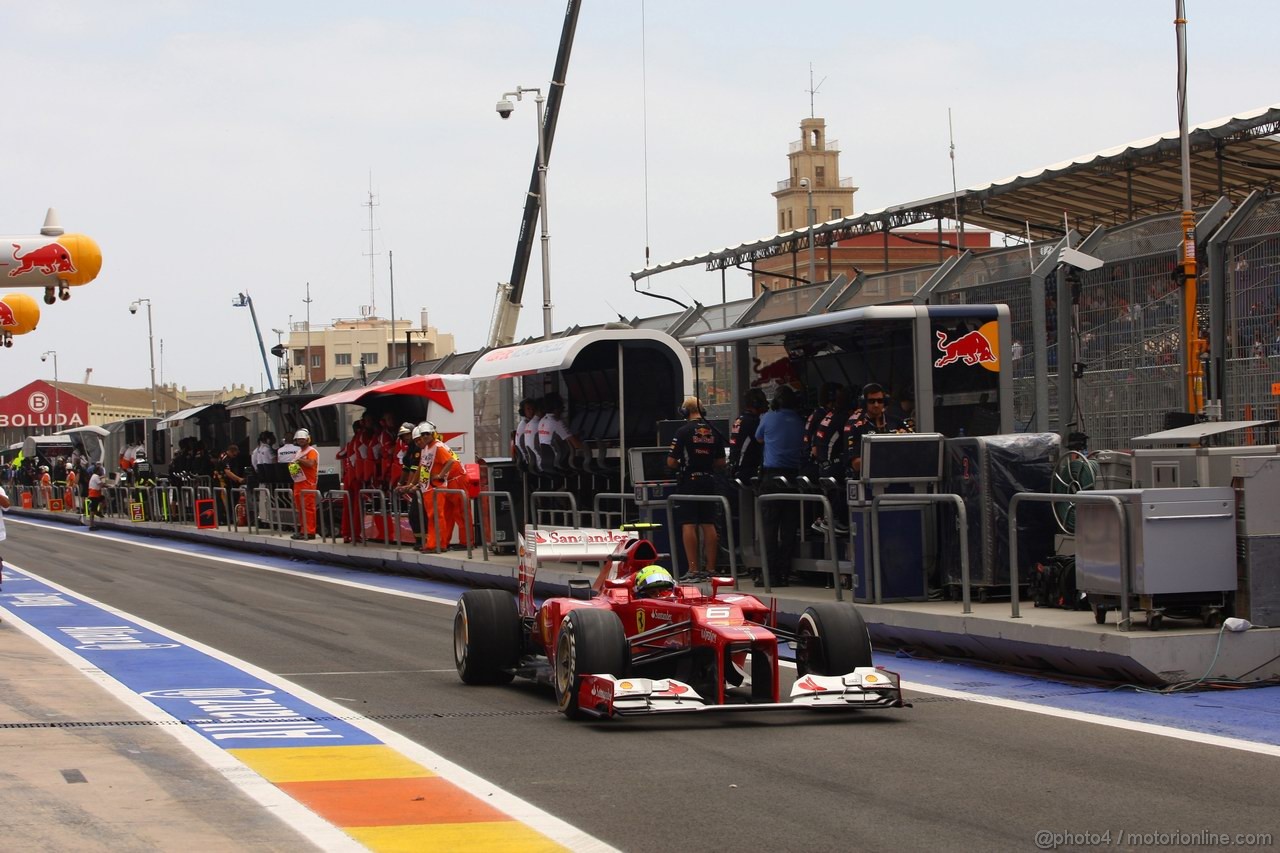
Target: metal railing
x=962, y=519
x=1078, y=498
x=487, y=529
x=677, y=538
x=552, y=513
x=789, y=497
x=620, y=497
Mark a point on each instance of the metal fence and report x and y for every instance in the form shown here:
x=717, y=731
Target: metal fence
x=1252, y=302
x=1128, y=316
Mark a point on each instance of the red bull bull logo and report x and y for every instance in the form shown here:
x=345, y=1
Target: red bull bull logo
x=49, y=259
x=7, y=318
x=971, y=348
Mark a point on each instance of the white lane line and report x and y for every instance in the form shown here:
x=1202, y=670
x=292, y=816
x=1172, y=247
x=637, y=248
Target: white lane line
x=552, y=827
x=1085, y=717
x=1011, y=704
x=435, y=599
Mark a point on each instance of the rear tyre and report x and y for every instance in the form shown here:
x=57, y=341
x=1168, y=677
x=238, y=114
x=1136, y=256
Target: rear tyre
x=591, y=642
x=486, y=636
x=831, y=639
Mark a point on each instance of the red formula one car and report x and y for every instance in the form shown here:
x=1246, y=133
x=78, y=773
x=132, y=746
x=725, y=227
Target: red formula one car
x=611, y=651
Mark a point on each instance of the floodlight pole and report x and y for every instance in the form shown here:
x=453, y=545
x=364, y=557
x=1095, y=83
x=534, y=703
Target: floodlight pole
x=1193, y=345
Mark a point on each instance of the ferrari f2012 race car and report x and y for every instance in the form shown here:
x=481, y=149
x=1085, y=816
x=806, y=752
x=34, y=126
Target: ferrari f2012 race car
x=625, y=646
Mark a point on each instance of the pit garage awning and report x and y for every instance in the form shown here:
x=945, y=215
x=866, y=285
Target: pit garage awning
x=559, y=353
x=90, y=429
x=183, y=415
x=435, y=387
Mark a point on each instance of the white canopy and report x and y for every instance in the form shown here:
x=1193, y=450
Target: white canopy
x=559, y=354
x=182, y=416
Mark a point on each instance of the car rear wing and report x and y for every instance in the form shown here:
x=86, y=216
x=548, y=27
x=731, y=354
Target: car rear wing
x=566, y=545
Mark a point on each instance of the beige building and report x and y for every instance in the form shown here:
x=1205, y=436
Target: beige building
x=336, y=351
x=815, y=193
x=815, y=161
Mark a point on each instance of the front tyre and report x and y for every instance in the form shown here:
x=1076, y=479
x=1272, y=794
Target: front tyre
x=486, y=636
x=591, y=642
x=831, y=639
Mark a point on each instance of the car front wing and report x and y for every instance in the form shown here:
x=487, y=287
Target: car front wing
x=866, y=687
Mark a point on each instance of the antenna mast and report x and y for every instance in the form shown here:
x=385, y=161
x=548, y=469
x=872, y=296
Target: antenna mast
x=813, y=90
x=371, y=310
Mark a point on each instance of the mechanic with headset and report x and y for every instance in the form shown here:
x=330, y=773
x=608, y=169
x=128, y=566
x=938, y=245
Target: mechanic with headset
x=869, y=418
x=697, y=452
x=305, y=471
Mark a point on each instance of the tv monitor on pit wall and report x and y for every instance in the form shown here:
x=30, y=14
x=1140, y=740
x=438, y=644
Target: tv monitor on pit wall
x=910, y=458
x=649, y=464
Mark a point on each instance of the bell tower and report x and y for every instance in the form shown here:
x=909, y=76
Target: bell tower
x=814, y=158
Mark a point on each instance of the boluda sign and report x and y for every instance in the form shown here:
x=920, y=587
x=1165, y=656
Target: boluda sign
x=39, y=404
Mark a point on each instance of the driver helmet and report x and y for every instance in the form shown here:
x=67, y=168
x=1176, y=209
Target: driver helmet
x=302, y=434
x=140, y=456
x=652, y=581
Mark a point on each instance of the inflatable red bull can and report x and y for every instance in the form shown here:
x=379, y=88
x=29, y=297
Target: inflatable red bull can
x=19, y=314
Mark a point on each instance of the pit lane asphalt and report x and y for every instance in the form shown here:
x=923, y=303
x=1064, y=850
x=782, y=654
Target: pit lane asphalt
x=947, y=773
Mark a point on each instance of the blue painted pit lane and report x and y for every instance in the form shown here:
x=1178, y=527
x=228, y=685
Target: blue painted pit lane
x=225, y=704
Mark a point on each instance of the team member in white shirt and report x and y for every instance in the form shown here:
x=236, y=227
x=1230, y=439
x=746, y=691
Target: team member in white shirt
x=551, y=426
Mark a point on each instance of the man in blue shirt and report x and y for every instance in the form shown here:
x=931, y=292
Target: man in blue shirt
x=781, y=431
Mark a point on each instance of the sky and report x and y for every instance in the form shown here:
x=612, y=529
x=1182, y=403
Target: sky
x=215, y=148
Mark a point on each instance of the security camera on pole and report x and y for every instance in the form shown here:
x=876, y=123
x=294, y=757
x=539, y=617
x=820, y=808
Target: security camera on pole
x=505, y=108
x=151, y=348
x=57, y=408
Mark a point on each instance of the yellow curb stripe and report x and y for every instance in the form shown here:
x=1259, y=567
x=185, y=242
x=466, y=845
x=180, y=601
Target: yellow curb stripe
x=282, y=765
x=505, y=837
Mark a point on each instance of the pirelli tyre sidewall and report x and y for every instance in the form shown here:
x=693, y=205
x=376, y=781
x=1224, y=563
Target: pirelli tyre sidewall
x=486, y=636
x=591, y=642
x=832, y=640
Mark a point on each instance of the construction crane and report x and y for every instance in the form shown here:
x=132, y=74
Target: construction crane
x=507, y=307
x=243, y=300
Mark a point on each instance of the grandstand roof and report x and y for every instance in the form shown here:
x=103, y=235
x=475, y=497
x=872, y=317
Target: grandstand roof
x=1229, y=156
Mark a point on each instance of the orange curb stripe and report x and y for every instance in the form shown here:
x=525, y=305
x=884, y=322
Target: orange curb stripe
x=392, y=802
x=328, y=763
x=506, y=837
